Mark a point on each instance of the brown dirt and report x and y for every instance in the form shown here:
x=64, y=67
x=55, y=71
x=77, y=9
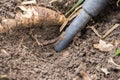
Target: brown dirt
x=22, y=59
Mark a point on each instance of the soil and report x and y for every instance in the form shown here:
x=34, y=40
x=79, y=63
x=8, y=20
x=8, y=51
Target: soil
x=22, y=59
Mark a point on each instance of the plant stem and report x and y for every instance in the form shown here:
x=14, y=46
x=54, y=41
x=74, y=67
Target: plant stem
x=75, y=6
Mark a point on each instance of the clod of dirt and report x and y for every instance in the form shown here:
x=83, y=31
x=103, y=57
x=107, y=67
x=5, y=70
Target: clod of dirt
x=116, y=19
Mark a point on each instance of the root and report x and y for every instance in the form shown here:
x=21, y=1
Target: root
x=29, y=16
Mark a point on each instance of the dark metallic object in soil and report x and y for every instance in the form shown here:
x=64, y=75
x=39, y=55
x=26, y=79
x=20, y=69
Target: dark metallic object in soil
x=91, y=8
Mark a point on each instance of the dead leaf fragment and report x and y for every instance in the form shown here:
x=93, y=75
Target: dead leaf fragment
x=105, y=71
x=103, y=46
x=85, y=75
x=115, y=42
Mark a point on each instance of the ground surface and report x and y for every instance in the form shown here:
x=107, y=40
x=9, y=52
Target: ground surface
x=22, y=59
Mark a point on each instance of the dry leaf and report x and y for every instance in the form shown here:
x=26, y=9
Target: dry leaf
x=85, y=75
x=103, y=46
x=28, y=12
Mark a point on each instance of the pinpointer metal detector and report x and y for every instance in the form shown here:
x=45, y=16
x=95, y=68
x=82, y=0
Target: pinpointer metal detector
x=91, y=8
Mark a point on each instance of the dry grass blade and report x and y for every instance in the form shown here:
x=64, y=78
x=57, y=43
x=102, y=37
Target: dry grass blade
x=73, y=15
x=110, y=30
x=63, y=25
x=96, y=32
x=107, y=33
x=111, y=61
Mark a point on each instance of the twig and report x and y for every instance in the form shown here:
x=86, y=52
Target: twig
x=107, y=33
x=35, y=37
x=47, y=42
x=63, y=25
x=95, y=31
